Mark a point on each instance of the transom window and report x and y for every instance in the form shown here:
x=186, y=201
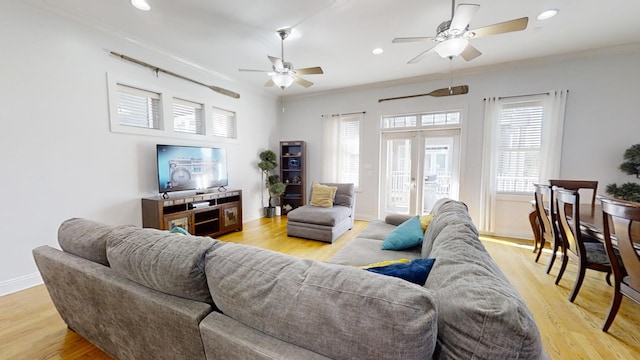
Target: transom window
x=421, y=120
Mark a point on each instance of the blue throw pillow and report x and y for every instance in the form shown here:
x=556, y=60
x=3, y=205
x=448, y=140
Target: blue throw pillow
x=179, y=230
x=415, y=271
x=406, y=235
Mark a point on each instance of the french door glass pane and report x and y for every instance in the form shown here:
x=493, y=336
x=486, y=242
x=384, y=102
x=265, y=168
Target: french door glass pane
x=398, y=184
x=437, y=171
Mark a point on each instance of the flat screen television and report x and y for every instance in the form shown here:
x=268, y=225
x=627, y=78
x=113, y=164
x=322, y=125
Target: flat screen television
x=182, y=168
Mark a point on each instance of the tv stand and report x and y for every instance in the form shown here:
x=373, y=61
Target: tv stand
x=209, y=214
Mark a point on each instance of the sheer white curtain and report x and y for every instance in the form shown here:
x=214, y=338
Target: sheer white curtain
x=552, y=131
x=330, y=147
x=489, y=159
x=554, y=105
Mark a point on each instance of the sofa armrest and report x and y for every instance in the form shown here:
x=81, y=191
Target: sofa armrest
x=396, y=219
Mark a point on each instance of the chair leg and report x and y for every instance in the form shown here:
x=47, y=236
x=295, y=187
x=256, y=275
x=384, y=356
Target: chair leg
x=578, y=283
x=613, y=310
x=608, y=278
x=535, y=227
x=565, y=260
x=553, y=257
x=540, y=250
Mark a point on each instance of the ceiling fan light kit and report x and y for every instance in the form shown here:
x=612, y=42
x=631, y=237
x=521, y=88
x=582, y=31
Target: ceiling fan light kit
x=451, y=47
x=283, y=73
x=453, y=35
x=141, y=5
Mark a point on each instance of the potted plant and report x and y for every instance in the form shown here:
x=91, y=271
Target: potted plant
x=631, y=166
x=272, y=182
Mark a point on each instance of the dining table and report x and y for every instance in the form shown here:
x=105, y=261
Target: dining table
x=592, y=222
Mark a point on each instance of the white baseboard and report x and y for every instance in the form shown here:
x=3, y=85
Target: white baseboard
x=20, y=283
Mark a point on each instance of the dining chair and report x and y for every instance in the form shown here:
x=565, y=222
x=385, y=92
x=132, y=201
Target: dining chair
x=577, y=185
x=587, y=254
x=626, y=266
x=546, y=221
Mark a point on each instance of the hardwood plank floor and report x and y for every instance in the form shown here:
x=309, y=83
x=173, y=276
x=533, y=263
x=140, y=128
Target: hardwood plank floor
x=30, y=327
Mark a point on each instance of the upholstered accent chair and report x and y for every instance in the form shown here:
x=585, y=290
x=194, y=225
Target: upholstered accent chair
x=324, y=223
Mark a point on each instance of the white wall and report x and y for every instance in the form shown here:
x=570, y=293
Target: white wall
x=602, y=120
x=59, y=159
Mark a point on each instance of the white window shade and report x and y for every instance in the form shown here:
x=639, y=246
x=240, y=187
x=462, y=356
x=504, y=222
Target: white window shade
x=224, y=123
x=349, y=159
x=341, y=148
x=138, y=108
x=187, y=117
x=519, y=146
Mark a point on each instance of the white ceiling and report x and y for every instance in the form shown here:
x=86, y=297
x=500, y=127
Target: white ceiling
x=338, y=35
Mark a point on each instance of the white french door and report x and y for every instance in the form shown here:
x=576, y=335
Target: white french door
x=417, y=168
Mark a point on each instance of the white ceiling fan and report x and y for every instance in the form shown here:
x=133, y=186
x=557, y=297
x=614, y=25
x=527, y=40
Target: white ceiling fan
x=282, y=73
x=453, y=35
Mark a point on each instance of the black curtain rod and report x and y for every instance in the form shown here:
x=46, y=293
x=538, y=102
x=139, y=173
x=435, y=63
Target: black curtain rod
x=351, y=113
x=515, y=96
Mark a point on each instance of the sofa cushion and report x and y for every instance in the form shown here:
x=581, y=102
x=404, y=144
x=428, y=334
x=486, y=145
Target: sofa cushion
x=337, y=311
x=448, y=213
x=319, y=215
x=85, y=238
x=362, y=251
x=322, y=195
x=345, y=195
x=405, y=236
x=170, y=263
x=480, y=315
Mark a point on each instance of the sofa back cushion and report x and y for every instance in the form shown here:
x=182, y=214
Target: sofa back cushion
x=170, y=263
x=85, y=238
x=340, y=312
x=480, y=314
x=345, y=194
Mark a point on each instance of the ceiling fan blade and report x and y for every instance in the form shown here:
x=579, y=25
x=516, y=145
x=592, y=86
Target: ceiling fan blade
x=469, y=53
x=420, y=56
x=269, y=83
x=302, y=81
x=462, y=16
x=310, y=71
x=411, y=39
x=277, y=63
x=252, y=70
x=503, y=27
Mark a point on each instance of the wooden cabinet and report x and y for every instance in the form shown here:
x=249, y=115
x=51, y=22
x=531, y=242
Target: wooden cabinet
x=292, y=172
x=209, y=214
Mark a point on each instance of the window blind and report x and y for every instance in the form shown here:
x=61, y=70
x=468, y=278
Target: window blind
x=187, y=117
x=519, y=146
x=224, y=123
x=349, y=158
x=138, y=108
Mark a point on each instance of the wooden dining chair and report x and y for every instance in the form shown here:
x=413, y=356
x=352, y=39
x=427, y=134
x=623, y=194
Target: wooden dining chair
x=626, y=267
x=578, y=185
x=546, y=222
x=588, y=255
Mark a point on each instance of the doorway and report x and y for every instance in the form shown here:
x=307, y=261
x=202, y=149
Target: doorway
x=418, y=167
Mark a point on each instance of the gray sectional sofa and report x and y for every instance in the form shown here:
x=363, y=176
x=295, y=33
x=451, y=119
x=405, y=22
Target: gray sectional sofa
x=149, y=294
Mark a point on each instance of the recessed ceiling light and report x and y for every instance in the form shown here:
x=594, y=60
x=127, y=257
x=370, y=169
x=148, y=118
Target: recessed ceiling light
x=547, y=14
x=377, y=51
x=141, y=5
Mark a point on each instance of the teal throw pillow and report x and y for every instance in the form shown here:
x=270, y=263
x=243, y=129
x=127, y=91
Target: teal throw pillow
x=179, y=230
x=405, y=236
x=415, y=271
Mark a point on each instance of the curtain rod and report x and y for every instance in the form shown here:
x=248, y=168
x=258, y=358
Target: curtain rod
x=515, y=96
x=351, y=113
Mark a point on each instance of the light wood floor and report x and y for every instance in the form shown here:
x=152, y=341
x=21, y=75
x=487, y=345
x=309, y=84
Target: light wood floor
x=30, y=327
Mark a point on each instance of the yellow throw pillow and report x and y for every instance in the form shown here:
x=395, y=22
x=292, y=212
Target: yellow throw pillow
x=322, y=195
x=384, y=263
x=425, y=220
